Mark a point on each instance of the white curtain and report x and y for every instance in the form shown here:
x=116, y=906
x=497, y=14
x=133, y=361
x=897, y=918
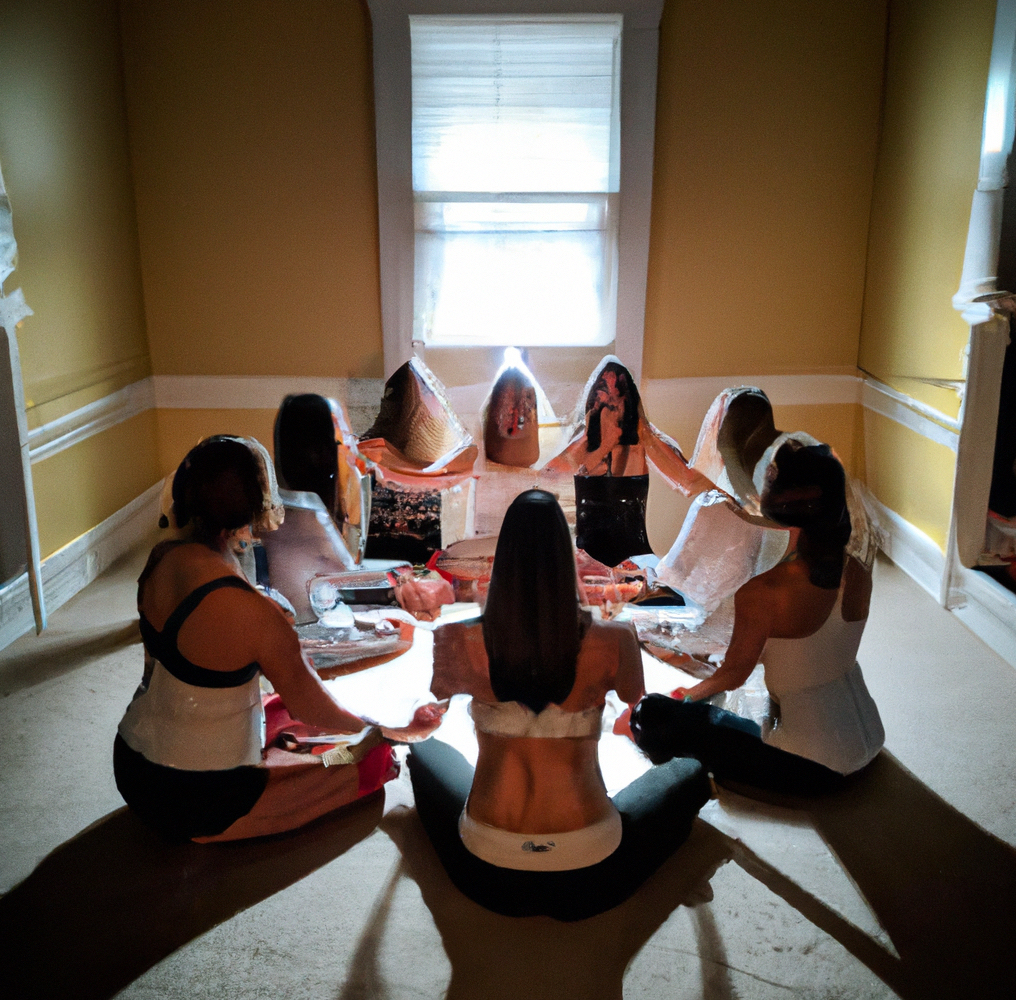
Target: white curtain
x=515, y=174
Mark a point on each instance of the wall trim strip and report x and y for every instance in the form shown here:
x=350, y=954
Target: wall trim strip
x=246, y=392
x=988, y=610
x=782, y=390
x=362, y=397
x=57, y=435
x=919, y=417
x=909, y=547
x=78, y=563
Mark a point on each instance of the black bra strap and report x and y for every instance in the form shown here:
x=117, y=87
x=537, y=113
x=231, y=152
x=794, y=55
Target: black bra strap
x=175, y=621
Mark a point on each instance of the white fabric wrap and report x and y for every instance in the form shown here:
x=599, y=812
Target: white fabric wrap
x=195, y=728
x=826, y=712
x=542, y=852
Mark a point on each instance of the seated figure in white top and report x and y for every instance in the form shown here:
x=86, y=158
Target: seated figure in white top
x=803, y=620
x=533, y=831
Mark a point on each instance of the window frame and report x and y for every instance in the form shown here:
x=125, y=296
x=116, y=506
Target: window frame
x=393, y=121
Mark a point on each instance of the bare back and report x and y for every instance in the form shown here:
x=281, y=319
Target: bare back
x=541, y=784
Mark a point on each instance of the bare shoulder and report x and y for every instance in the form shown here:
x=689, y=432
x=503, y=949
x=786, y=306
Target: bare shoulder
x=460, y=661
x=611, y=633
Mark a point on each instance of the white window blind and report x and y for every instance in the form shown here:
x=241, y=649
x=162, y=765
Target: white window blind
x=516, y=173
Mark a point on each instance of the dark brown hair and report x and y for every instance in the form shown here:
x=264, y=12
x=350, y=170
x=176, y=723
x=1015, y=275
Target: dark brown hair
x=531, y=623
x=629, y=392
x=218, y=487
x=306, y=457
x=809, y=492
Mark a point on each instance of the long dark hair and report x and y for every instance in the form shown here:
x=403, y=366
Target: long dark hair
x=628, y=390
x=531, y=623
x=808, y=491
x=218, y=487
x=306, y=458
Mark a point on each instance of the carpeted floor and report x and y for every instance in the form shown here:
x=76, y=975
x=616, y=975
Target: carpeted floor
x=357, y=906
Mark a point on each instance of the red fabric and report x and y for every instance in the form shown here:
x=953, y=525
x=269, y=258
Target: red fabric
x=373, y=770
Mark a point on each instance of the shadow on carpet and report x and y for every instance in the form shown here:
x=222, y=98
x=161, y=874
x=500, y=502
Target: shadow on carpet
x=109, y=904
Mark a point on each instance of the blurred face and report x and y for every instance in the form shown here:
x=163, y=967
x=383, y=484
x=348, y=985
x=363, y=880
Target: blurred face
x=241, y=539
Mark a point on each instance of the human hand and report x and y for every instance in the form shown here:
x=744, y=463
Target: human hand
x=425, y=720
x=423, y=596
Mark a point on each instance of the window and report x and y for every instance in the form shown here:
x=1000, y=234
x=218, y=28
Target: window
x=515, y=179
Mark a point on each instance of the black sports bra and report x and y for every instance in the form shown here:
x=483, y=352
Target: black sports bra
x=162, y=645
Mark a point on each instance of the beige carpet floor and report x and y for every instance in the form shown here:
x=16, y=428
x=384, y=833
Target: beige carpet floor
x=357, y=905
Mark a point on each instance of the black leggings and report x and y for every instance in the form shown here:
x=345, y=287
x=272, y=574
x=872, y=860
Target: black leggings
x=728, y=746
x=657, y=811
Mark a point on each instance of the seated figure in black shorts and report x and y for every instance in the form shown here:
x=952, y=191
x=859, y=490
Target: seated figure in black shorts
x=533, y=831
x=803, y=620
x=189, y=758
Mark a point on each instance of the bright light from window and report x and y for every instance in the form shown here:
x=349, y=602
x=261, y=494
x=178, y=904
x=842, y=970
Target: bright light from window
x=516, y=133
x=491, y=213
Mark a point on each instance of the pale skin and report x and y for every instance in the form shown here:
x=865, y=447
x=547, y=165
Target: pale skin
x=231, y=628
x=540, y=785
x=780, y=604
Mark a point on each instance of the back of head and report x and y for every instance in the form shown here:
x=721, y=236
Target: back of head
x=218, y=487
x=531, y=619
x=306, y=458
x=806, y=489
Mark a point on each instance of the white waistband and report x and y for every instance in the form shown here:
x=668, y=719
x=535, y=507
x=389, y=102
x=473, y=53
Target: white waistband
x=542, y=852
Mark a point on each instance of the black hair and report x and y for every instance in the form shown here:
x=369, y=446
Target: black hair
x=629, y=392
x=218, y=487
x=531, y=623
x=306, y=457
x=809, y=492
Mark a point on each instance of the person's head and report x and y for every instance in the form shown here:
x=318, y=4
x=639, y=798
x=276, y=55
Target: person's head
x=306, y=457
x=531, y=626
x=511, y=426
x=220, y=488
x=614, y=389
x=747, y=429
x=805, y=488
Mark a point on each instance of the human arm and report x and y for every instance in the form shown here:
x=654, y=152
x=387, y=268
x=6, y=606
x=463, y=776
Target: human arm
x=629, y=682
x=665, y=456
x=751, y=630
x=460, y=662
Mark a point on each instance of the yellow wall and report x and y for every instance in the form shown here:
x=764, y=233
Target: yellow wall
x=910, y=474
x=766, y=129
x=936, y=75
x=180, y=430
x=78, y=488
x=63, y=145
x=64, y=152
x=252, y=136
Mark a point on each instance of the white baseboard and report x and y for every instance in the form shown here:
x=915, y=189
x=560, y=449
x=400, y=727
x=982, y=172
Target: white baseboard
x=989, y=611
x=909, y=547
x=984, y=606
x=77, y=564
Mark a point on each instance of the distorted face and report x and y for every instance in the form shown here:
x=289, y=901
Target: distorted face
x=511, y=431
x=241, y=539
x=513, y=409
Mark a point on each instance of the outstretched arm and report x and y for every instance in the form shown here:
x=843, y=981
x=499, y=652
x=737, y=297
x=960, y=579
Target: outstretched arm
x=751, y=629
x=665, y=456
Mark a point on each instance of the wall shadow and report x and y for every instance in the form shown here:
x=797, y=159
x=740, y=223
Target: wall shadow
x=943, y=889
x=499, y=957
x=110, y=903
